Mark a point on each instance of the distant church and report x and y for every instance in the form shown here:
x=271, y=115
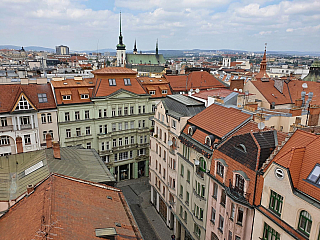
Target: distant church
x=136, y=58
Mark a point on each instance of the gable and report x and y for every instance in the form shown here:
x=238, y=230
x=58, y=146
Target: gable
x=121, y=93
x=23, y=103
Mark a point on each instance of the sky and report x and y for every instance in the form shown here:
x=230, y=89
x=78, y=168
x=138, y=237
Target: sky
x=177, y=24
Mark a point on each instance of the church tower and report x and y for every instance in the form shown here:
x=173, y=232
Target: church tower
x=121, y=50
x=135, y=50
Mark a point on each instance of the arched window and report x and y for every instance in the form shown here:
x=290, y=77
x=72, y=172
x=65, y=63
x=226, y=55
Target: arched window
x=239, y=184
x=305, y=222
x=208, y=141
x=241, y=147
x=191, y=130
x=203, y=164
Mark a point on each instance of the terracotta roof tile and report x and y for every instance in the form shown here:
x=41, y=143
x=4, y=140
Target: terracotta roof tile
x=155, y=84
x=219, y=120
x=66, y=208
x=196, y=79
x=9, y=94
x=114, y=70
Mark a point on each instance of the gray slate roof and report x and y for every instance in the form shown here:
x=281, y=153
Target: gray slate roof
x=182, y=106
x=19, y=170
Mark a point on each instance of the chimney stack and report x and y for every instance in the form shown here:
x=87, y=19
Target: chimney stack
x=56, y=150
x=30, y=189
x=49, y=140
x=19, y=144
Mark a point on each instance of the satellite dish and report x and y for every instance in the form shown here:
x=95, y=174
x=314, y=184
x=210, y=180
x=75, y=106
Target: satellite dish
x=196, y=162
x=191, y=90
x=240, y=90
x=305, y=85
x=197, y=90
x=170, y=143
x=235, y=89
x=261, y=125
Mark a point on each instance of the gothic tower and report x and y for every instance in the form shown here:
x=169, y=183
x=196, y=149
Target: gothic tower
x=121, y=50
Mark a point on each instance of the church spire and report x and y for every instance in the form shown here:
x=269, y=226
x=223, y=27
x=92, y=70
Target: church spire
x=120, y=45
x=263, y=64
x=135, y=50
x=157, y=50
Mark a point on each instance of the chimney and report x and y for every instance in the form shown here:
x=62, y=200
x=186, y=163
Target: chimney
x=49, y=140
x=298, y=102
x=30, y=189
x=56, y=150
x=19, y=144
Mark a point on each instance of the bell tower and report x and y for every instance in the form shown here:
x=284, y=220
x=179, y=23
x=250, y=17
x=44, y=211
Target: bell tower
x=121, y=50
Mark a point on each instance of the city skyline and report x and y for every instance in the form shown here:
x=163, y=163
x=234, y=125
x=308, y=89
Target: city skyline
x=205, y=24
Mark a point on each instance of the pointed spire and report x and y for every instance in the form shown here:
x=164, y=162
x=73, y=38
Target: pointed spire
x=263, y=64
x=120, y=24
x=120, y=45
x=135, y=50
x=157, y=50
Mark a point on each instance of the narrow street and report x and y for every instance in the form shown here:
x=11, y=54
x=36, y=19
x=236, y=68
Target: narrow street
x=151, y=225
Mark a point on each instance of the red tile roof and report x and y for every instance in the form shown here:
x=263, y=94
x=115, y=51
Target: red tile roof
x=219, y=120
x=155, y=84
x=300, y=155
x=271, y=94
x=10, y=93
x=114, y=70
x=219, y=92
x=74, y=88
x=67, y=208
x=194, y=80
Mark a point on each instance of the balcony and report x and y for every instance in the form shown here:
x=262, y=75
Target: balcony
x=25, y=126
x=238, y=193
x=6, y=128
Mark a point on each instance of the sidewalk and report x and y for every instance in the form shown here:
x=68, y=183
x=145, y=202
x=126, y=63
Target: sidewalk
x=141, y=188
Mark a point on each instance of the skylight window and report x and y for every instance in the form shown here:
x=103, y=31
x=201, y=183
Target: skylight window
x=127, y=81
x=241, y=147
x=112, y=82
x=315, y=175
x=42, y=97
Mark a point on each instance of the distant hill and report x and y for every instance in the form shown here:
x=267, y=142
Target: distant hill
x=29, y=48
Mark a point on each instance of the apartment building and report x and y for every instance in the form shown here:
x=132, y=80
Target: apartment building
x=170, y=117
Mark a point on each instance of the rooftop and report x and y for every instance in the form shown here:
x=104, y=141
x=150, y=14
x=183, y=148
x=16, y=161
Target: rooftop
x=114, y=70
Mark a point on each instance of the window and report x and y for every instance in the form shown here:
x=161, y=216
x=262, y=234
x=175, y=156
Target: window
x=78, y=132
x=182, y=171
x=113, y=112
x=125, y=111
x=84, y=96
x=223, y=198
x=203, y=164
x=188, y=176
x=86, y=114
x=221, y=221
x=185, y=216
x=114, y=142
x=107, y=145
x=275, y=204
x=213, y=215
x=139, y=124
x=127, y=81
x=23, y=104
x=100, y=113
x=66, y=97
x=115, y=157
x=49, y=118
x=4, y=140
x=143, y=123
x=139, y=109
x=51, y=133
x=105, y=114
x=197, y=230
x=66, y=116
x=305, y=222
x=119, y=111
x=120, y=141
x=187, y=197
x=42, y=97
x=230, y=235
x=126, y=140
x=27, y=139
x=126, y=125
x=164, y=91
x=154, y=108
x=25, y=120
x=238, y=238
x=315, y=175
x=132, y=124
x=131, y=110
x=146, y=140
x=240, y=216
x=119, y=126
x=143, y=109
x=181, y=191
x=68, y=133
x=132, y=140
x=233, y=208
x=214, y=236
x=114, y=127
x=77, y=115
x=88, y=131
x=4, y=122
x=105, y=129
x=174, y=124
x=43, y=118
x=152, y=92
x=239, y=186
x=112, y=82
x=142, y=152
x=270, y=233
x=215, y=191
x=186, y=152
x=220, y=169
x=44, y=135
x=141, y=139
x=88, y=145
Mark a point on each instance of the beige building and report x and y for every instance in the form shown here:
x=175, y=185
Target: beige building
x=170, y=117
x=290, y=202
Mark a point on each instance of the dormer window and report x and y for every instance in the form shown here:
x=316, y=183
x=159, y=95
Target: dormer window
x=112, y=82
x=42, y=97
x=191, y=130
x=152, y=92
x=127, y=81
x=66, y=97
x=84, y=96
x=241, y=148
x=23, y=104
x=209, y=140
x=164, y=91
x=220, y=169
x=315, y=175
x=239, y=184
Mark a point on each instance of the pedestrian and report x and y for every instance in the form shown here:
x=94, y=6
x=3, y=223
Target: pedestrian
x=173, y=237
